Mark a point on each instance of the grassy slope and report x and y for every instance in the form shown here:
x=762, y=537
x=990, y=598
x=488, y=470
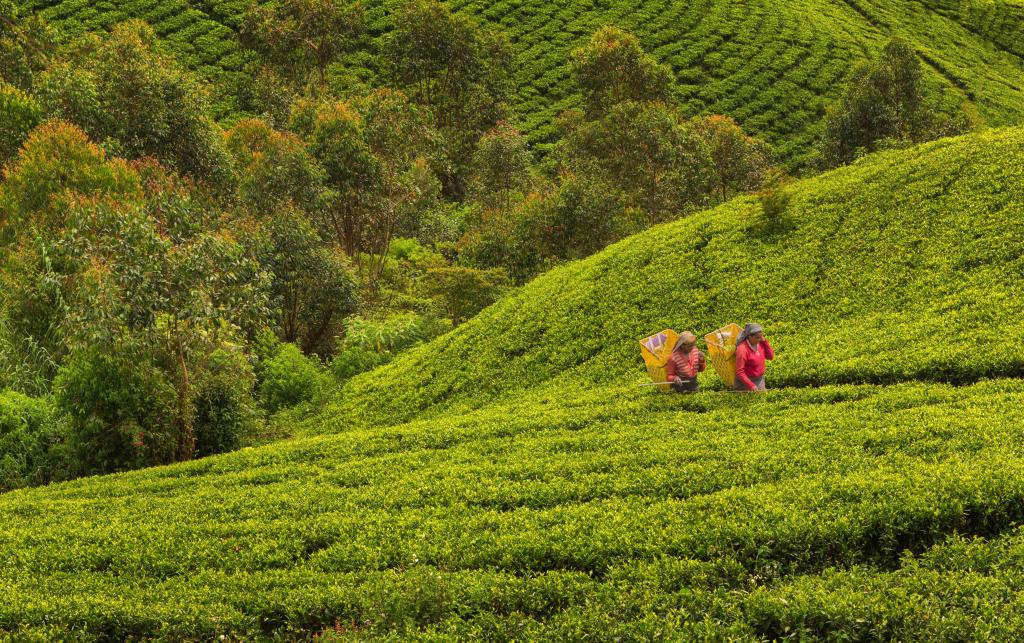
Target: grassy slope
x=772, y=64
x=904, y=267
x=604, y=510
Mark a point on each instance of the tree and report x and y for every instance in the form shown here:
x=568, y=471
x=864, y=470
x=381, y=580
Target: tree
x=374, y=152
x=56, y=161
x=585, y=217
x=57, y=156
x=464, y=291
x=501, y=166
x=126, y=262
x=629, y=136
x=337, y=139
x=273, y=167
x=459, y=72
x=739, y=162
x=398, y=136
x=571, y=220
x=137, y=102
x=613, y=68
x=280, y=185
x=883, y=100
x=646, y=152
x=313, y=286
x=297, y=37
x=26, y=45
x=174, y=298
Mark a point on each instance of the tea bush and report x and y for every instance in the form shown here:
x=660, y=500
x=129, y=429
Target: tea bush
x=613, y=512
x=771, y=65
x=516, y=483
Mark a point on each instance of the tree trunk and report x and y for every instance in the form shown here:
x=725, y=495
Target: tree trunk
x=186, y=435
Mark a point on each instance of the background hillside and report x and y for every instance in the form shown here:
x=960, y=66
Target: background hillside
x=903, y=267
x=573, y=504
x=772, y=65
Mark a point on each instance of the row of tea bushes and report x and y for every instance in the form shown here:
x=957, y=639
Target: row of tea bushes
x=547, y=513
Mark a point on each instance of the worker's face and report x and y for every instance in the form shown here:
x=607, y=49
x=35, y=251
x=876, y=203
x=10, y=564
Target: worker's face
x=756, y=337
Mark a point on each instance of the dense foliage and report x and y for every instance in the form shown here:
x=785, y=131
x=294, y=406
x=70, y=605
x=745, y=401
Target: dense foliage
x=884, y=104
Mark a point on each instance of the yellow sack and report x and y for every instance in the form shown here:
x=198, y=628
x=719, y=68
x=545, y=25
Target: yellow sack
x=656, y=350
x=722, y=351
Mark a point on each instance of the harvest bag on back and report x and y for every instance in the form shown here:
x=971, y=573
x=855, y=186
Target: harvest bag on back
x=656, y=350
x=722, y=351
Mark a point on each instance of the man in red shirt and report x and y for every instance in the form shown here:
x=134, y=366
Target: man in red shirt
x=752, y=349
x=684, y=363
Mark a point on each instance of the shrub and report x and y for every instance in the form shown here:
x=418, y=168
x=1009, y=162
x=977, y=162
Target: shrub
x=393, y=334
x=19, y=113
x=121, y=410
x=223, y=403
x=289, y=377
x=774, y=198
x=33, y=442
x=465, y=291
x=353, y=361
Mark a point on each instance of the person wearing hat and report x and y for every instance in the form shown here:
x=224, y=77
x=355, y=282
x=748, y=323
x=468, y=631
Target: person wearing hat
x=752, y=349
x=684, y=363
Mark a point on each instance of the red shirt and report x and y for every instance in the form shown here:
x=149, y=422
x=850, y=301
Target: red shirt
x=685, y=365
x=750, y=361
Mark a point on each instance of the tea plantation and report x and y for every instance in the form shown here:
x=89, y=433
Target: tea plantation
x=906, y=267
x=516, y=483
x=773, y=65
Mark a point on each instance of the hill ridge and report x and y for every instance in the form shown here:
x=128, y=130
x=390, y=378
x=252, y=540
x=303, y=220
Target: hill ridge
x=851, y=263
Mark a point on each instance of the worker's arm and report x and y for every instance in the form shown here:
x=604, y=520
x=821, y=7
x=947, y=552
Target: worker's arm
x=769, y=352
x=701, y=362
x=670, y=369
x=741, y=367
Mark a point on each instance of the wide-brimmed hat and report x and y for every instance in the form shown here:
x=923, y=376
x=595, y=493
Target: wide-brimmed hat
x=686, y=338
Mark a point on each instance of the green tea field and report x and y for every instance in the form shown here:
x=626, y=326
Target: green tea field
x=773, y=66
x=515, y=482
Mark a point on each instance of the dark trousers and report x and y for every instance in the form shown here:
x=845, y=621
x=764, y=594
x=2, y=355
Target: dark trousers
x=686, y=386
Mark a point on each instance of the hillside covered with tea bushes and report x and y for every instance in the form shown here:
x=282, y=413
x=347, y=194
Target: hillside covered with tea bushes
x=902, y=267
x=880, y=512
x=774, y=66
x=516, y=483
